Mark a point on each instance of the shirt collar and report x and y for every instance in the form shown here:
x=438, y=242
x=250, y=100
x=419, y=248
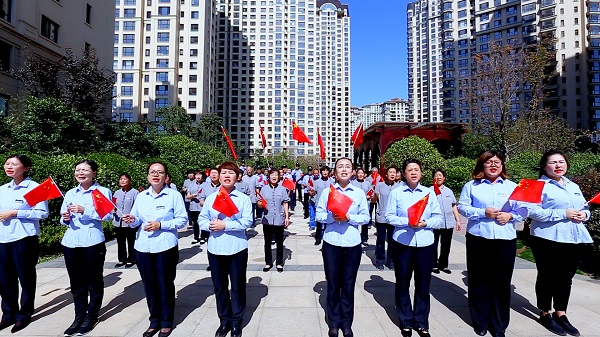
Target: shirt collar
x=23, y=184
x=79, y=189
x=544, y=178
x=418, y=188
x=486, y=181
x=162, y=192
x=350, y=187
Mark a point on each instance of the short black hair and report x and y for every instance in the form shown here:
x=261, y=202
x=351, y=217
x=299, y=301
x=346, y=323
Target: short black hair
x=93, y=165
x=26, y=161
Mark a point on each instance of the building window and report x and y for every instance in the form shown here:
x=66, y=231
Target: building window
x=195, y=15
x=129, y=38
x=129, y=25
x=128, y=51
x=164, y=10
x=49, y=29
x=127, y=91
x=163, y=37
x=129, y=2
x=193, y=91
x=192, y=105
x=5, y=11
x=88, y=14
x=161, y=103
x=193, y=78
x=162, y=77
x=127, y=104
x=126, y=77
x=129, y=12
x=162, y=50
x=162, y=90
x=194, y=27
x=164, y=24
x=5, y=56
x=162, y=63
x=193, y=52
x=127, y=64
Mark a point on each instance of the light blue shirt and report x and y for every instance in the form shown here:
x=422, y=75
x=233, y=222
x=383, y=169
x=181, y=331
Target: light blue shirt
x=169, y=209
x=477, y=195
x=549, y=220
x=84, y=229
x=232, y=239
x=27, y=221
x=344, y=234
x=396, y=214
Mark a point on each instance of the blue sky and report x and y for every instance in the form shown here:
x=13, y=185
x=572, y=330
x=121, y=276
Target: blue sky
x=378, y=50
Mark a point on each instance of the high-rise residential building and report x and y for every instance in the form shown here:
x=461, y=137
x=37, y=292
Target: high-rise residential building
x=465, y=28
x=284, y=61
x=164, y=55
x=47, y=28
x=393, y=110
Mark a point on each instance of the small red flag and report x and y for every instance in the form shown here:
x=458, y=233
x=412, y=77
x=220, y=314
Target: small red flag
x=299, y=135
x=528, y=190
x=595, y=199
x=338, y=203
x=370, y=193
x=102, y=204
x=358, y=135
x=262, y=200
x=207, y=172
x=436, y=188
x=114, y=200
x=289, y=184
x=224, y=204
x=262, y=136
x=44, y=191
x=415, y=212
x=229, y=143
x=376, y=178
x=321, y=145
x=311, y=183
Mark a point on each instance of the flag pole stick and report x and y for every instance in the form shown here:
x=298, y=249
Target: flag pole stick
x=61, y=193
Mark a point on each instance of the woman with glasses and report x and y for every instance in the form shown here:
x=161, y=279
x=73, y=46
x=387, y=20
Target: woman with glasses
x=84, y=248
x=19, y=243
x=159, y=212
x=491, y=242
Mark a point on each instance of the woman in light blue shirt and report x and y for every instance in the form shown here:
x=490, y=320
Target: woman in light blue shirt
x=412, y=248
x=341, y=249
x=84, y=247
x=159, y=212
x=19, y=244
x=558, y=239
x=228, y=251
x=491, y=242
x=275, y=218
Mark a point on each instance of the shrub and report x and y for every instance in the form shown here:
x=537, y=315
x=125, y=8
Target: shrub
x=415, y=147
x=523, y=165
x=581, y=163
x=129, y=140
x=111, y=165
x=458, y=173
x=188, y=154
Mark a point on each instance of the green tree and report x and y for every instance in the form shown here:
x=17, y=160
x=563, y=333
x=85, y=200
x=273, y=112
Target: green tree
x=174, y=120
x=129, y=140
x=187, y=154
x=48, y=126
x=209, y=129
x=414, y=147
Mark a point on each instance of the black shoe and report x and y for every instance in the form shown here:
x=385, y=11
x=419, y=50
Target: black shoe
x=195, y=241
x=236, y=331
x=563, y=322
x=435, y=270
x=222, y=331
x=20, y=325
x=202, y=241
x=365, y=243
x=333, y=332
x=150, y=332
x=87, y=326
x=280, y=268
x=481, y=332
x=447, y=271
x=390, y=266
x=317, y=243
x=406, y=331
x=130, y=264
x=423, y=332
x=548, y=322
x=379, y=267
x=165, y=333
x=267, y=267
x=306, y=217
x=119, y=264
x=208, y=268
x=72, y=330
x=6, y=323
x=347, y=332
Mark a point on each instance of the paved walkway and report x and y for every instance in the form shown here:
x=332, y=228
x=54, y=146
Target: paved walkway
x=291, y=303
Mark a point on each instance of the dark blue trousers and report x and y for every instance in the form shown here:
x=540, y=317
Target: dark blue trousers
x=17, y=265
x=341, y=267
x=158, y=275
x=231, y=306
x=384, y=234
x=420, y=261
x=490, y=265
x=85, y=266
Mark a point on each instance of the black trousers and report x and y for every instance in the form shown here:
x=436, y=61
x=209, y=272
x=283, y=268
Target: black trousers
x=194, y=222
x=556, y=264
x=299, y=191
x=319, y=230
x=384, y=234
x=158, y=275
x=231, y=306
x=292, y=200
x=372, y=208
x=17, y=265
x=125, y=241
x=364, y=233
x=490, y=265
x=341, y=267
x=407, y=260
x=270, y=232
x=85, y=266
x=305, y=204
x=443, y=236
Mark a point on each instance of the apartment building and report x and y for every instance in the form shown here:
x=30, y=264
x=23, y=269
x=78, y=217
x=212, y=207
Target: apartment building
x=47, y=28
x=393, y=110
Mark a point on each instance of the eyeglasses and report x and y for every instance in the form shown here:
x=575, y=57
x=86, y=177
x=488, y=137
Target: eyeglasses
x=82, y=171
x=156, y=173
x=493, y=163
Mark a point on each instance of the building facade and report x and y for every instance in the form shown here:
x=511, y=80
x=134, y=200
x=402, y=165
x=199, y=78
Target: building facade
x=393, y=110
x=465, y=28
x=47, y=28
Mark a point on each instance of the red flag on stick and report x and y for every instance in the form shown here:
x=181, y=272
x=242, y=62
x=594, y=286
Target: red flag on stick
x=415, y=212
x=299, y=135
x=262, y=137
x=44, y=191
x=289, y=184
x=436, y=188
x=262, y=200
x=595, y=199
x=338, y=203
x=229, y=143
x=321, y=145
x=311, y=183
x=376, y=178
x=528, y=190
x=358, y=135
x=102, y=204
x=370, y=193
x=224, y=204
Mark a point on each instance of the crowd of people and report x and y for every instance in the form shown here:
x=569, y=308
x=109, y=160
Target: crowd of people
x=147, y=222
